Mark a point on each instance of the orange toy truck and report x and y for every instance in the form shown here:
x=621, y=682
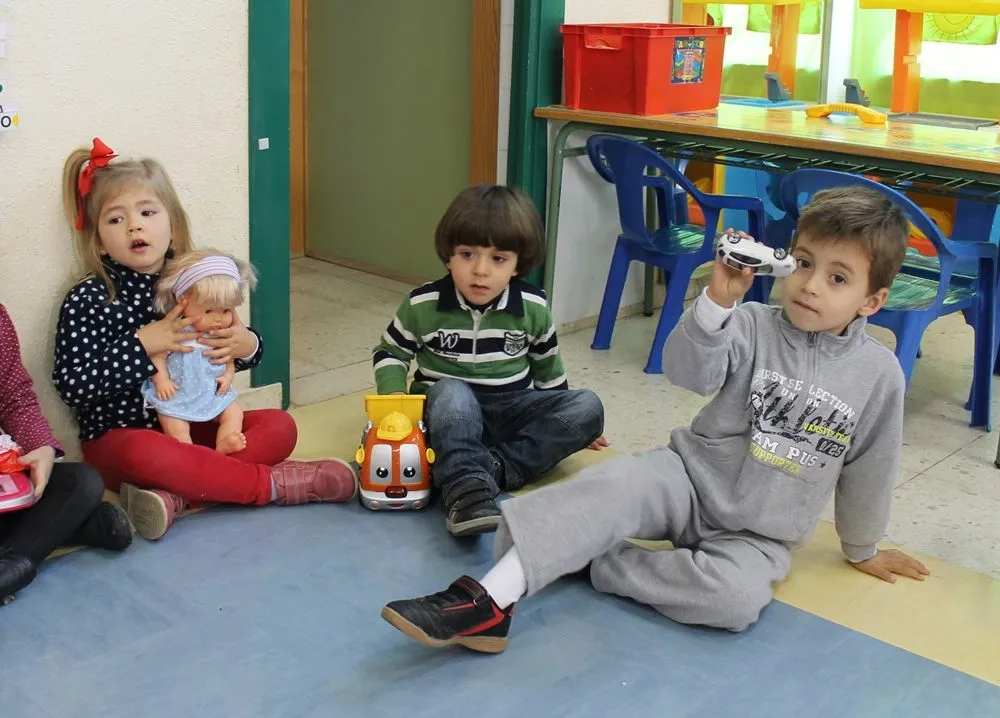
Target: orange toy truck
x=394, y=457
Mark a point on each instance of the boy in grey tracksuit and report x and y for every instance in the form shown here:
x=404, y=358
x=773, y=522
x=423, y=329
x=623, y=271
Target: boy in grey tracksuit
x=806, y=404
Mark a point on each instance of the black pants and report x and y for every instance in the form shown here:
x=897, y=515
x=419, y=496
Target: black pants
x=72, y=494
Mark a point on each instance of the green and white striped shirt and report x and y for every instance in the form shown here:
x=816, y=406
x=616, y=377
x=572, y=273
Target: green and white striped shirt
x=509, y=345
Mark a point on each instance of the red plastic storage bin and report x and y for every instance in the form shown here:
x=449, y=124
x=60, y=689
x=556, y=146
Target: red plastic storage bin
x=643, y=68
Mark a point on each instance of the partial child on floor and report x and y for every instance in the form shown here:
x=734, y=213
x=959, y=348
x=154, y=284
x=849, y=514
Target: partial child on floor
x=68, y=507
x=499, y=411
x=127, y=221
x=806, y=404
x=187, y=386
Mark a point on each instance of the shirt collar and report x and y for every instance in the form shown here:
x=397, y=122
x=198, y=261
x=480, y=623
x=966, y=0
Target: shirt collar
x=450, y=299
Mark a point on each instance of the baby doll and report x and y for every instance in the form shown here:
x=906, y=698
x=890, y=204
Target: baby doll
x=187, y=386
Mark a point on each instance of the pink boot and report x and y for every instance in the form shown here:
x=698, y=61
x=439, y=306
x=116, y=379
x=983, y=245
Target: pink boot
x=151, y=511
x=323, y=480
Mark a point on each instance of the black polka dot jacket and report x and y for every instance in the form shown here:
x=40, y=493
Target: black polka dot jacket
x=100, y=364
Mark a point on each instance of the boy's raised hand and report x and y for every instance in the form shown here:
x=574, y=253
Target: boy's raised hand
x=728, y=285
x=887, y=564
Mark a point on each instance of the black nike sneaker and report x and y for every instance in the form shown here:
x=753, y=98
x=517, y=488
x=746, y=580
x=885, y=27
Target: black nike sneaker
x=463, y=615
x=470, y=508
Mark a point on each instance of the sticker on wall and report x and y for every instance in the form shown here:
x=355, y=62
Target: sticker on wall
x=689, y=61
x=963, y=29
x=10, y=116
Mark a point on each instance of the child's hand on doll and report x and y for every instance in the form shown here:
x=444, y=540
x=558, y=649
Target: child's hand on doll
x=728, y=285
x=166, y=335
x=39, y=462
x=234, y=342
x=886, y=564
x=165, y=387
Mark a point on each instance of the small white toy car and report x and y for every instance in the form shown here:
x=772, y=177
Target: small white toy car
x=741, y=253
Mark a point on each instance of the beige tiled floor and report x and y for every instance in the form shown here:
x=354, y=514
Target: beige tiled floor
x=948, y=491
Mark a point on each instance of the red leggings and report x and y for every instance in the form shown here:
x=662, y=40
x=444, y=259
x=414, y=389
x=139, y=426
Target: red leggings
x=197, y=472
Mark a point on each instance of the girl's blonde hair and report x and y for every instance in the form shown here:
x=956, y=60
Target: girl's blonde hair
x=214, y=291
x=107, y=183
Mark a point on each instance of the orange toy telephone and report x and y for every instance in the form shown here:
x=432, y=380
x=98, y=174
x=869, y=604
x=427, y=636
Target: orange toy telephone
x=866, y=114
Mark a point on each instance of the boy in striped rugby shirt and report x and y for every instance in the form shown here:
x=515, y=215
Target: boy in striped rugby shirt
x=499, y=411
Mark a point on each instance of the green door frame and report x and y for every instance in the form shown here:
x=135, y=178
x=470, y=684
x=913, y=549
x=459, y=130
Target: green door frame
x=269, y=33
x=536, y=80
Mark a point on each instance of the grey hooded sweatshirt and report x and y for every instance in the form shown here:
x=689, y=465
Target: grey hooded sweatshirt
x=798, y=415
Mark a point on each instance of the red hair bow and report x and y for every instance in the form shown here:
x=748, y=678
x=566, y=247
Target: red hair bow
x=100, y=156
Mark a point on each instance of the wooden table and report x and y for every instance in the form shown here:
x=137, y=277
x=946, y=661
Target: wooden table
x=956, y=161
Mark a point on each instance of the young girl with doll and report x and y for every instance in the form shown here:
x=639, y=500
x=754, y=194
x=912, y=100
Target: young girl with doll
x=127, y=222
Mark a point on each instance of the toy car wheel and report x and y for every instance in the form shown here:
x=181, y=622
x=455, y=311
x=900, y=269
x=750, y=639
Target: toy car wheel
x=780, y=253
x=734, y=238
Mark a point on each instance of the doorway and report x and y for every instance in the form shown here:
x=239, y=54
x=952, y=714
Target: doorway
x=389, y=119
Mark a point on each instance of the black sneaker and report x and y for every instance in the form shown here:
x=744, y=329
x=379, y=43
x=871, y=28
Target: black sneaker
x=107, y=527
x=16, y=572
x=464, y=615
x=470, y=509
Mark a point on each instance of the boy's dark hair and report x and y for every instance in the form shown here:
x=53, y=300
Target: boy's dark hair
x=492, y=216
x=864, y=217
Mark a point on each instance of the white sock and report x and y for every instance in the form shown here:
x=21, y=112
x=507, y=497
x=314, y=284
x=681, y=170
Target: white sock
x=505, y=582
x=274, y=491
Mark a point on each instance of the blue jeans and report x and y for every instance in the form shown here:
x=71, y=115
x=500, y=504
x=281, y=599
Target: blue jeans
x=506, y=439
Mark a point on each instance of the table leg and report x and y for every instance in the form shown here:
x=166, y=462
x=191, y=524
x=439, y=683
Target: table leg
x=984, y=354
x=552, y=211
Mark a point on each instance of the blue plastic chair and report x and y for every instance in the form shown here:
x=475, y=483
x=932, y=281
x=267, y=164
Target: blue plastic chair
x=678, y=249
x=974, y=221
x=916, y=299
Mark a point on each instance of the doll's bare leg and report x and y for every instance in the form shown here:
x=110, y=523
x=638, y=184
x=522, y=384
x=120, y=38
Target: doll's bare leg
x=230, y=438
x=177, y=428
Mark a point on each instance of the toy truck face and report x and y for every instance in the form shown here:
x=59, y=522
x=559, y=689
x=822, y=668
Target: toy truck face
x=395, y=472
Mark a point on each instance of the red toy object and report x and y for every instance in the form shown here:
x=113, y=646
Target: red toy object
x=643, y=68
x=16, y=489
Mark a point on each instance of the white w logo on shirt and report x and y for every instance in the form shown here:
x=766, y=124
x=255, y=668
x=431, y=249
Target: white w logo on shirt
x=448, y=340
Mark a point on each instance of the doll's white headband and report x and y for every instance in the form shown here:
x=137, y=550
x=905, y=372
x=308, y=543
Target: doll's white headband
x=207, y=267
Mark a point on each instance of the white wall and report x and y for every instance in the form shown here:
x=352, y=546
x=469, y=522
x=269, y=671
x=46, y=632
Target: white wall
x=588, y=217
x=582, y=11
x=588, y=222
x=164, y=79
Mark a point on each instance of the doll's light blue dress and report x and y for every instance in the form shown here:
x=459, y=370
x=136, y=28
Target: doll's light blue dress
x=197, y=397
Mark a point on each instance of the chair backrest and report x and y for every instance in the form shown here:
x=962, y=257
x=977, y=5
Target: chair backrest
x=798, y=187
x=625, y=163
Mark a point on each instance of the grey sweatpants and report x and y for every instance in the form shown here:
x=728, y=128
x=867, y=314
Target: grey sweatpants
x=713, y=577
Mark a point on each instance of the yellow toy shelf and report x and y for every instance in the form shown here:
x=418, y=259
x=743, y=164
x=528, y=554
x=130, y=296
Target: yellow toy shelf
x=952, y=7
x=784, y=32
x=910, y=36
